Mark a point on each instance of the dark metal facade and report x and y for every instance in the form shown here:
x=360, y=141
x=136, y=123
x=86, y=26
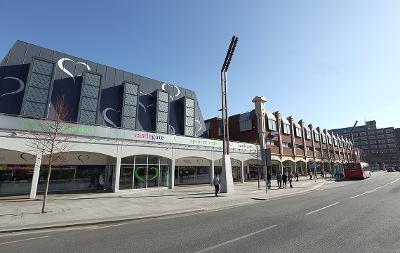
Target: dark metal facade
x=32, y=78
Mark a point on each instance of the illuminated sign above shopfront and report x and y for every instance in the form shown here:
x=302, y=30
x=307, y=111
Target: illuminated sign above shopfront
x=24, y=124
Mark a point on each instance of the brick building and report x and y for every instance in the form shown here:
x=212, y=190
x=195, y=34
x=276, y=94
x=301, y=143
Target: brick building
x=380, y=146
x=293, y=143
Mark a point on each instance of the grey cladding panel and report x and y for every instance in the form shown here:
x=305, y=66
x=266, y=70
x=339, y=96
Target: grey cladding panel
x=90, y=91
x=42, y=67
x=129, y=110
x=129, y=106
x=87, y=117
x=89, y=104
x=89, y=99
x=40, y=80
x=129, y=122
x=34, y=110
x=37, y=95
x=131, y=88
x=162, y=111
x=92, y=79
x=130, y=99
x=37, y=91
x=189, y=116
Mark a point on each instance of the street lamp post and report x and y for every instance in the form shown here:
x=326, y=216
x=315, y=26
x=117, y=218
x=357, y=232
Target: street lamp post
x=352, y=138
x=227, y=180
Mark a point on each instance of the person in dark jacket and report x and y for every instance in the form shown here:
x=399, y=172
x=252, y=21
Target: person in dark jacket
x=216, y=182
x=279, y=180
x=284, y=179
x=269, y=180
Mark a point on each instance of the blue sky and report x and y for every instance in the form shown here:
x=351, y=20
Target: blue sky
x=327, y=62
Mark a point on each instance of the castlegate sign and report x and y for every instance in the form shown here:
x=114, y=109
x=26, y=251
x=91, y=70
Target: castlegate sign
x=28, y=125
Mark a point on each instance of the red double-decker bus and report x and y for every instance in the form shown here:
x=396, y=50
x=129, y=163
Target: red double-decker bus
x=354, y=171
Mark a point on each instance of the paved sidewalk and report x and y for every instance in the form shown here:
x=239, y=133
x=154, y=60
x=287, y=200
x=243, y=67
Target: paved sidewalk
x=92, y=208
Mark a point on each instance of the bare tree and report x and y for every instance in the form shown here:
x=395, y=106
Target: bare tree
x=51, y=140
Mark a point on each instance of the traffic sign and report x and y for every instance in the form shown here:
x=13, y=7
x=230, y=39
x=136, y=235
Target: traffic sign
x=266, y=156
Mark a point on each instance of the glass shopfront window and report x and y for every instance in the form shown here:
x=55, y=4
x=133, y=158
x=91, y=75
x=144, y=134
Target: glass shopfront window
x=192, y=175
x=164, y=176
x=236, y=173
x=71, y=178
x=15, y=179
x=153, y=172
x=143, y=172
x=126, y=177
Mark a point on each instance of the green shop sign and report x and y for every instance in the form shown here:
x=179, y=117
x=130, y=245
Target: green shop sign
x=26, y=124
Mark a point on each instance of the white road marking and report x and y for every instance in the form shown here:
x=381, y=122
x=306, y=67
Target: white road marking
x=235, y=240
x=108, y=226
x=373, y=190
x=358, y=195
x=394, y=181
x=22, y=240
x=322, y=208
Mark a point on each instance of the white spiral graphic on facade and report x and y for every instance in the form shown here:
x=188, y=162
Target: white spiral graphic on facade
x=176, y=90
x=20, y=88
x=60, y=64
x=105, y=117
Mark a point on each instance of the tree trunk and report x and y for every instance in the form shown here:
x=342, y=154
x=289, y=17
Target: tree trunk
x=47, y=184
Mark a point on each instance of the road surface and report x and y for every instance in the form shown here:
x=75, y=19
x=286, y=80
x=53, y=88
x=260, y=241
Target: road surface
x=357, y=216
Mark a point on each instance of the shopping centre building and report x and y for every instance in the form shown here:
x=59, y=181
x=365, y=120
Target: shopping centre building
x=130, y=131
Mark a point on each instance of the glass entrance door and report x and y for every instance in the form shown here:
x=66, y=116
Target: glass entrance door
x=144, y=171
x=139, y=176
x=164, y=177
x=153, y=173
x=126, y=177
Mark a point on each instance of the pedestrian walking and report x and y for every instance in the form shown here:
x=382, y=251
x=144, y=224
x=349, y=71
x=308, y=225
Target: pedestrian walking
x=216, y=182
x=290, y=179
x=296, y=174
x=268, y=180
x=284, y=179
x=279, y=180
